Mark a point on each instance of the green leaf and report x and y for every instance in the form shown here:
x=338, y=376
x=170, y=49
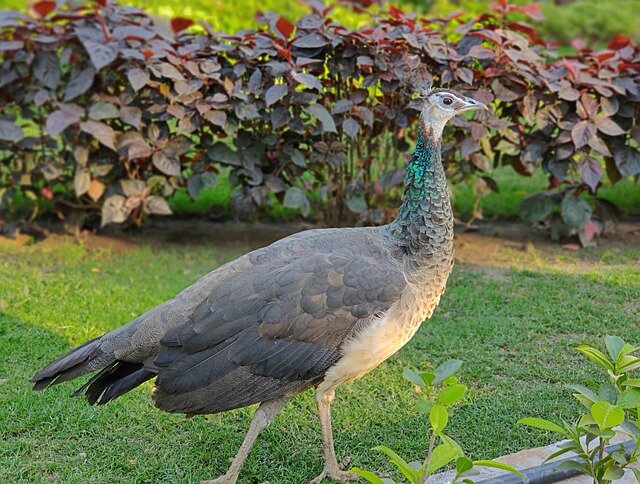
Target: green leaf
x=607, y=392
x=536, y=208
x=463, y=465
x=631, y=382
x=575, y=211
x=572, y=465
x=356, y=204
x=636, y=472
x=543, y=424
x=427, y=377
x=452, y=394
x=613, y=473
x=614, y=346
x=626, y=349
x=498, y=465
x=424, y=406
x=441, y=456
x=583, y=400
x=606, y=415
x=413, y=377
x=591, y=395
x=587, y=419
x=367, y=475
x=564, y=450
x=630, y=398
x=399, y=462
x=294, y=198
x=596, y=356
x=629, y=363
x=619, y=456
x=438, y=417
x=445, y=370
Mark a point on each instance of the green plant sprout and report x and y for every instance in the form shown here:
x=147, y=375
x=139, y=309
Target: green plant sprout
x=615, y=404
x=442, y=390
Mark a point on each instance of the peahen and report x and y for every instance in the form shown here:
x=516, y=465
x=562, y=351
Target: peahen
x=315, y=309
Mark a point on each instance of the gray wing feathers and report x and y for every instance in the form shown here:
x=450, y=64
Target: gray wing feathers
x=281, y=320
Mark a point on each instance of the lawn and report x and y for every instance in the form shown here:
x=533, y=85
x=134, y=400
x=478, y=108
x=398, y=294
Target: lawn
x=515, y=329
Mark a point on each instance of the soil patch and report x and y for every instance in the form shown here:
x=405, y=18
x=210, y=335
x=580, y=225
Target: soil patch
x=494, y=246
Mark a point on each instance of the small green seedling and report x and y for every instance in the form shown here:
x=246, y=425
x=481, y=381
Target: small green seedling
x=616, y=403
x=440, y=390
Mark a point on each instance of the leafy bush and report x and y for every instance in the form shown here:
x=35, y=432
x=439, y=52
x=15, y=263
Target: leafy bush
x=443, y=390
x=615, y=403
x=104, y=111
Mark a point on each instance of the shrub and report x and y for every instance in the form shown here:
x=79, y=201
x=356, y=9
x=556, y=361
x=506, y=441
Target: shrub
x=615, y=405
x=104, y=111
x=443, y=391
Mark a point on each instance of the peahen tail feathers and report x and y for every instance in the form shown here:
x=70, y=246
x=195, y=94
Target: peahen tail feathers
x=114, y=379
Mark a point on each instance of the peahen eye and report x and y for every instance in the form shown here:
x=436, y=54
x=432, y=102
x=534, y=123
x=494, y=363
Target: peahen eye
x=447, y=100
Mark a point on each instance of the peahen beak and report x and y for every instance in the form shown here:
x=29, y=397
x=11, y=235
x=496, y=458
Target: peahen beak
x=473, y=104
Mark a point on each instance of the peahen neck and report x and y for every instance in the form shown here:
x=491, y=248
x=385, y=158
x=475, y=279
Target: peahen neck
x=423, y=228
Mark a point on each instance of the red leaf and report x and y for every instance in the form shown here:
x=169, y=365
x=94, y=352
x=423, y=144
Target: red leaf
x=618, y=42
x=46, y=191
x=284, y=27
x=591, y=230
x=532, y=11
x=44, y=7
x=604, y=56
x=147, y=53
x=395, y=12
x=286, y=53
x=178, y=24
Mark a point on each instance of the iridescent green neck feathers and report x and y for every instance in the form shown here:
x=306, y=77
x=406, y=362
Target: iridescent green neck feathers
x=424, y=224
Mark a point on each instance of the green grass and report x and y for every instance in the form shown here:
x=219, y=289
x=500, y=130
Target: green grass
x=515, y=330
x=514, y=188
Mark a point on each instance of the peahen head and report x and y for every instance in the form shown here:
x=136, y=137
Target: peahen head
x=440, y=105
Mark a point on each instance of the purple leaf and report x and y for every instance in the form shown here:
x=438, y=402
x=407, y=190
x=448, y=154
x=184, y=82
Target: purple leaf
x=138, y=78
x=608, y=126
x=131, y=115
x=157, y=205
x=46, y=69
x=308, y=80
x=627, y=160
x=310, y=41
x=99, y=131
x=351, y=127
x=591, y=171
x=320, y=112
x=10, y=131
x=114, y=210
x=169, y=165
x=275, y=93
x=582, y=132
x=101, y=55
x=79, y=83
x=60, y=120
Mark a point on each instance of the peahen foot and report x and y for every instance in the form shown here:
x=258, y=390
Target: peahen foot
x=336, y=475
x=226, y=479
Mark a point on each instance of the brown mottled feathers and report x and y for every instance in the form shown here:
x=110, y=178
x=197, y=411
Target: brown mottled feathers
x=266, y=324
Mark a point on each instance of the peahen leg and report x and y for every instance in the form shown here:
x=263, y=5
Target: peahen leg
x=331, y=468
x=261, y=418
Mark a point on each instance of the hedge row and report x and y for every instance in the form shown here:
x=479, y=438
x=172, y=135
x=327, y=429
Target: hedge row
x=104, y=112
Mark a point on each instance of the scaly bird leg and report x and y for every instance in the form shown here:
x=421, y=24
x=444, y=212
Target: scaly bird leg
x=331, y=468
x=262, y=417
